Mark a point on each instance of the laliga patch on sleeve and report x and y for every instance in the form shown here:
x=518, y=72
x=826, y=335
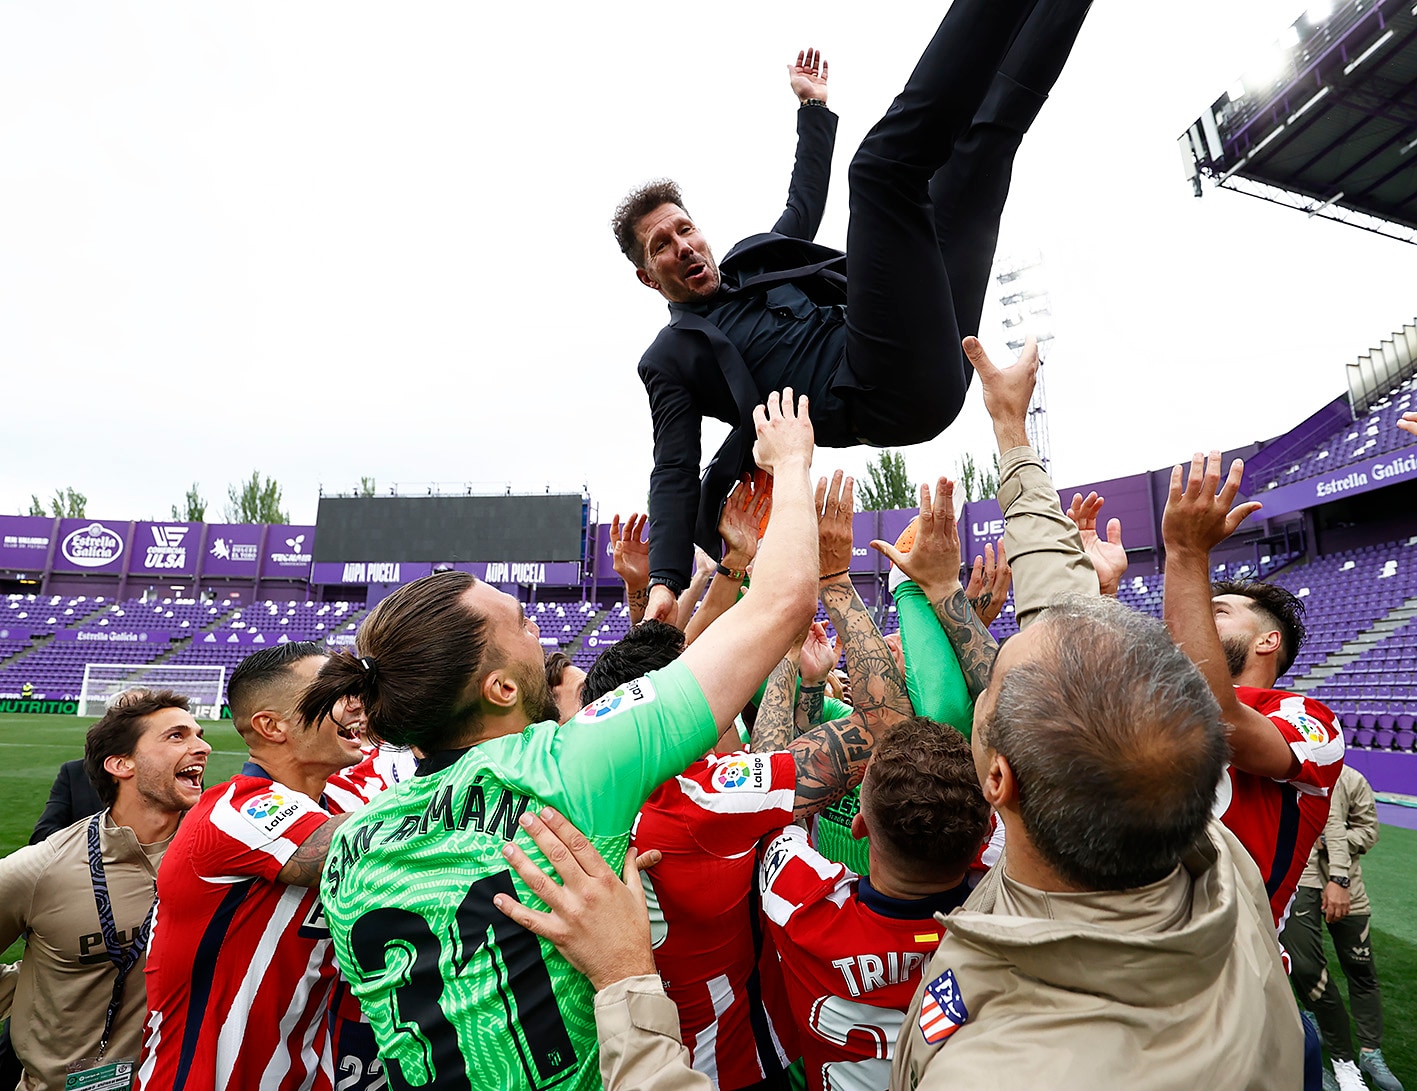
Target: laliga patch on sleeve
x=634, y=694
x=1308, y=726
x=942, y=1011
x=273, y=810
x=742, y=773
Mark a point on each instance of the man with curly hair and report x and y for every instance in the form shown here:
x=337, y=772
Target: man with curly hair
x=872, y=336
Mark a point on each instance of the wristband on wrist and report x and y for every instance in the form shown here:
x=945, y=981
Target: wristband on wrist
x=813, y=685
x=732, y=573
x=815, y=102
x=834, y=575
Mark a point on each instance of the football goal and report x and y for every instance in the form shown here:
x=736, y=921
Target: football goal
x=203, y=685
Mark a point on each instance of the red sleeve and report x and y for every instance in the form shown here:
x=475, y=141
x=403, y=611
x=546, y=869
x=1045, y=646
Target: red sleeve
x=253, y=828
x=793, y=875
x=729, y=804
x=1311, y=731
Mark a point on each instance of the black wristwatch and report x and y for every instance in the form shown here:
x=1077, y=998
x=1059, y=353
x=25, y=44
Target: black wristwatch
x=1341, y=880
x=815, y=102
x=660, y=581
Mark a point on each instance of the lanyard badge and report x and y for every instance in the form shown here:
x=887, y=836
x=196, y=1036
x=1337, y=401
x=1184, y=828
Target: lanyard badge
x=123, y=960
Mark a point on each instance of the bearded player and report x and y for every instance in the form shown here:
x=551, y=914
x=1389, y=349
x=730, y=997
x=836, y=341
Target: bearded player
x=458, y=995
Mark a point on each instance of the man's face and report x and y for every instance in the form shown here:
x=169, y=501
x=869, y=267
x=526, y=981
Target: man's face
x=567, y=694
x=329, y=744
x=170, y=760
x=515, y=640
x=678, y=263
x=1239, y=628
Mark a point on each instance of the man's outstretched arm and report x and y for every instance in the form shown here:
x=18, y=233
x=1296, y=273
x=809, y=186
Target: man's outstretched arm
x=816, y=139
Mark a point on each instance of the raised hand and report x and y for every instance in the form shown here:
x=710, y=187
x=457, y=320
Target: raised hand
x=784, y=431
x=808, y=76
x=1197, y=517
x=629, y=550
x=933, y=561
x=989, y=584
x=1109, y=556
x=835, y=505
x=1408, y=423
x=1007, y=391
x=743, y=514
x=818, y=656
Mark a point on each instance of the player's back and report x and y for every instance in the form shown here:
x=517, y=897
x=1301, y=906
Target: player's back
x=240, y=966
x=459, y=996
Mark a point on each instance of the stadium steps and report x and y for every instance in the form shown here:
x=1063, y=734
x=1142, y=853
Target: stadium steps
x=172, y=649
x=590, y=628
x=1355, y=649
x=38, y=641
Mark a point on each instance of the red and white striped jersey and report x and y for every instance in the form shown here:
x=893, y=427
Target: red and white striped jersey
x=240, y=965
x=703, y=916
x=1279, y=821
x=851, y=956
x=381, y=768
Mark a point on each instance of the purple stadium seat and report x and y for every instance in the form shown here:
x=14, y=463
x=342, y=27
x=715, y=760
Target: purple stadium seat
x=1386, y=721
x=1405, y=721
x=1364, y=737
x=1403, y=740
x=1350, y=735
x=1382, y=740
x=1368, y=721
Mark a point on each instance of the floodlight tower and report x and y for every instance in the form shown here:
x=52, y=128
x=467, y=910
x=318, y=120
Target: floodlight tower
x=1028, y=309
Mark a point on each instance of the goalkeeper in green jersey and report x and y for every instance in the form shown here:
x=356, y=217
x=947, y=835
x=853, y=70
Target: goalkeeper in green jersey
x=458, y=995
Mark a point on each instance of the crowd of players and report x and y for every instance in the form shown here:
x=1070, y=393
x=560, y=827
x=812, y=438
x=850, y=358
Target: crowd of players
x=992, y=861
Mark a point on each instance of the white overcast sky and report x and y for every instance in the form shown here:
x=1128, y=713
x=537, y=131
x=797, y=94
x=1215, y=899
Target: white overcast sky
x=331, y=240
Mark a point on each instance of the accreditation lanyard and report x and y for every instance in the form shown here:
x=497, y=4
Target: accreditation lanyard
x=123, y=960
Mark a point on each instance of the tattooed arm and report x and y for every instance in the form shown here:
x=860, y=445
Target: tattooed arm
x=304, y=868
x=772, y=729
x=974, y=646
x=810, y=702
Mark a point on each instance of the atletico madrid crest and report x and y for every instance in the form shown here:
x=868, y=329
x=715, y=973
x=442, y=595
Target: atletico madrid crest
x=942, y=1012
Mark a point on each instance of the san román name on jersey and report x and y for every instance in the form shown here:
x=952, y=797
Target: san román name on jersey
x=443, y=813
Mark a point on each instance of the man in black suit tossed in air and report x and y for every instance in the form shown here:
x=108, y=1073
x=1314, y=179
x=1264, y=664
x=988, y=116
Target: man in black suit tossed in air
x=872, y=336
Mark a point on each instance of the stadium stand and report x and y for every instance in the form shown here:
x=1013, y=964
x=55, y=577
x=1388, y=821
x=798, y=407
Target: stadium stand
x=1356, y=442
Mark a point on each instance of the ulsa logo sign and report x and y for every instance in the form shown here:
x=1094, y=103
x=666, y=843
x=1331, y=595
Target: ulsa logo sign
x=167, y=550
x=92, y=546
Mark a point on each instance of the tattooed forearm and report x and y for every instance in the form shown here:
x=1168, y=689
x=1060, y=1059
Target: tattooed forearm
x=830, y=762
x=809, y=705
x=772, y=730
x=981, y=603
x=974, y=645
x=305, y=866
x=638, y=601
x=878, y=690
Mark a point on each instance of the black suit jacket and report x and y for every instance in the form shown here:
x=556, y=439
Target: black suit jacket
x=71, y=798
x=692, y=371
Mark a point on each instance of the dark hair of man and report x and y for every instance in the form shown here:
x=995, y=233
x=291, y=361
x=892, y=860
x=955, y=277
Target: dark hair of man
x=417, y=668
x=649, y=646
x=116, y=734
x=1115, y=742
x=1276, y=607
x=922, y=799
x=556, y=664
x=638, y=204
x=251, y=682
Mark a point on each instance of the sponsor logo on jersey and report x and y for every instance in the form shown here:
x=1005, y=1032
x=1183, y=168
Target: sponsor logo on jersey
x=942, y=1011
x=779, y=851
x=748, y=773
x=1311, y=728
x=269, y=811
x=92, y=546
x=628, y=696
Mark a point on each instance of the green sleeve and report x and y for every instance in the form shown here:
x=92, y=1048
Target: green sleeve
x=832, y=709
x=618, y=749
x=932, y=675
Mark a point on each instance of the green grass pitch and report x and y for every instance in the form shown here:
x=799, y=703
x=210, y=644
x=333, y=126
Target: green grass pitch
x=31, y=748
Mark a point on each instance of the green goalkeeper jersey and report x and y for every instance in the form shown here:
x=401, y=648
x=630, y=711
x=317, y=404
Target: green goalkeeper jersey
x=459, y=996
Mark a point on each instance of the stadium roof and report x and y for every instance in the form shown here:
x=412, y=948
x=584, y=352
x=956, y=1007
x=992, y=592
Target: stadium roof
x=1328, y=124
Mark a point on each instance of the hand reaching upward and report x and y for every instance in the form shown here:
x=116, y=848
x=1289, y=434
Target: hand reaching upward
x=808, y=76
x=1109, y=556
x=630, y=550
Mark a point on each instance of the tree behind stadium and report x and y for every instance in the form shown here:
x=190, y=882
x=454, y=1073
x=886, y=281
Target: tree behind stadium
x=887, y=484
x=978, y=484
x=193, y=508
x=255, y=501
x=66, y=503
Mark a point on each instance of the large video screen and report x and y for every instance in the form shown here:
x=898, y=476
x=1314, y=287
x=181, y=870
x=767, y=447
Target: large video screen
x=449, y=528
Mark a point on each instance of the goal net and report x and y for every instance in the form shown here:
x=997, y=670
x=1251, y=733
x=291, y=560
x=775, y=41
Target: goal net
x=202, y=685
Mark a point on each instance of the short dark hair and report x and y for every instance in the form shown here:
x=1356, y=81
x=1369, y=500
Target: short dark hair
x=922, y=799
x=1276, y=607
x=556, y=664
x=638, y=204
x=1116, y=744
x=419, y=658
x=117, y=732
x=251, y=680
x=649, y=646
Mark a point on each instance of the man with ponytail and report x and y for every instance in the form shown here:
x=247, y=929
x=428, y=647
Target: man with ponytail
x=240, y=968
x=458, y=995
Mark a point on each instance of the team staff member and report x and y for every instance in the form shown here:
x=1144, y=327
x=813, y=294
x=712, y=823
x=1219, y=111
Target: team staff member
x=83, y=897
x=454, y=668
x=241, y=969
